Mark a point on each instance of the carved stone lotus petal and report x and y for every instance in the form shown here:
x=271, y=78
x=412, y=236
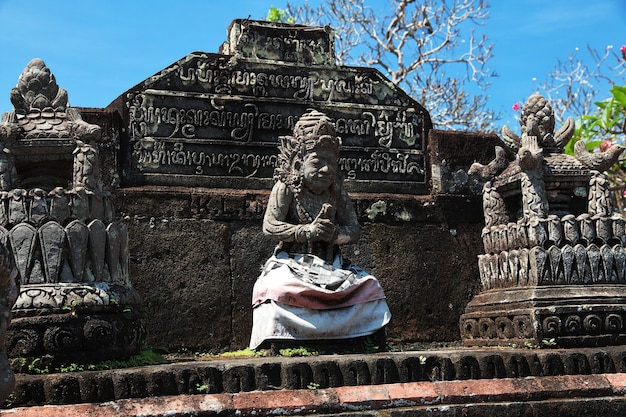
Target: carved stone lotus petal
x=485, y=271
x=617, y=223
x=77, y=238
x=523, y=267
x=537, y=234
x=503, y=268
x=555, y=230
x=52, y=239
x=537, y=259
x=619, y=261
x=511, y=236
x=571, y=232
x=113, y=252
x=514, y=266
x=594, y=258
x=582, y=268
x=587, y=227
x=556, y=273
x=23, y=239
x=522, y=235
x=606, y=254
x=17, y=211
x=568, y=257
x=604, y=228
x=486, y=235
x=494, y=271
x=97, y=248
x=501, y=238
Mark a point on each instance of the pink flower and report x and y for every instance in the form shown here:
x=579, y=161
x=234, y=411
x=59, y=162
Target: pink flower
x=515, y=106
x=605, y=145
x=623, y=51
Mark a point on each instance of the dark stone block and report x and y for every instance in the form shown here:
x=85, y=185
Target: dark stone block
x=492, y=366
x=576, y=364
x=438, y=368
x=129, y=384
x=553, y=365
x=62, y=390
x=355, y=372
x=268, y=376
x=96, y=387
x=296, y=375
x=384, y=371
x=327, y=374
x=161, y=382
x=517, y=366
x=239, y=378
x=468, y=368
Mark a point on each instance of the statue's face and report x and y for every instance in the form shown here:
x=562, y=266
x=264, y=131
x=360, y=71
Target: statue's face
x=320, y=170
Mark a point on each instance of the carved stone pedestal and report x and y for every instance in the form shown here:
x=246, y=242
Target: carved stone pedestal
x=572, y=315
x=66, y=323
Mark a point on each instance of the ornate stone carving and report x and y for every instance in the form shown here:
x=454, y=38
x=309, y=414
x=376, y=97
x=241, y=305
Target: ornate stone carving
x=310, y=214
x=75, y=302
x=565, y=251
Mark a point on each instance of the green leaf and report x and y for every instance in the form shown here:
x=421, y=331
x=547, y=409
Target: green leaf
x=619, y=92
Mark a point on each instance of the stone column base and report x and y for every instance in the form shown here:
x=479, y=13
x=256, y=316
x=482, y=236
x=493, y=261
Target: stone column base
x=547, y=316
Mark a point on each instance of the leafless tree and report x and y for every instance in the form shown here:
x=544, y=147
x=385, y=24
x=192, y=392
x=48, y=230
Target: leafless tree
x=428, y=48
x=576, y=83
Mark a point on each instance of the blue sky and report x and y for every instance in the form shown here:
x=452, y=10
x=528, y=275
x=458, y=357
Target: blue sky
x=99, y=49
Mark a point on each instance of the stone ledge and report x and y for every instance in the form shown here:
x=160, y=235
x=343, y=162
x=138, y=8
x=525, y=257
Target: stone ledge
x=570, y=395
x=330, y=371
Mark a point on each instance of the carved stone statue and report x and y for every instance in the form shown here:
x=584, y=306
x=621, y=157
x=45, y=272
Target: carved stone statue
x=307, y=291
x=554, y=247
x=75, y=301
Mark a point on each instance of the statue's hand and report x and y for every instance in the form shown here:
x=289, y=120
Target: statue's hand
x=322, y=228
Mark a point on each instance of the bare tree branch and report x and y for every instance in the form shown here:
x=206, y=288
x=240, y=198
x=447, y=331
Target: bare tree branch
x=428, y=48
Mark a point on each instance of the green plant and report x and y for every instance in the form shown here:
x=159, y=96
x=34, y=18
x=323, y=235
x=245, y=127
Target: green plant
x=548, y=342
x=313, y=385
x=369, y=346
x=299, y=351
x=34, y=367
x=275, y=14
x=243, y=353
x=204, y=388
x=604, y=127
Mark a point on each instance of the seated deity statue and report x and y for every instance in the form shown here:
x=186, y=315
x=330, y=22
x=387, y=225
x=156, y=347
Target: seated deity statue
x=307, y=290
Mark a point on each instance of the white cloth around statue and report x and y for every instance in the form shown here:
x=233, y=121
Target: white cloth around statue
x=301, y=297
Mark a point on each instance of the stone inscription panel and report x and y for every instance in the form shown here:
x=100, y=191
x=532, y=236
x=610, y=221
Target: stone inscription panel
x=207, y=117
x=271, y=41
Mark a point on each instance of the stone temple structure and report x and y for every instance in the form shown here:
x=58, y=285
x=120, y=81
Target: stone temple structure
x=554, y=268
x=57, y=221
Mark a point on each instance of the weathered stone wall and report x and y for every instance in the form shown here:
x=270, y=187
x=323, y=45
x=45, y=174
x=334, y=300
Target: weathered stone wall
x=195, y=252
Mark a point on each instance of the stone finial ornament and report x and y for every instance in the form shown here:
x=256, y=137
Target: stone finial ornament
x=57, y=224
x=554, y=246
